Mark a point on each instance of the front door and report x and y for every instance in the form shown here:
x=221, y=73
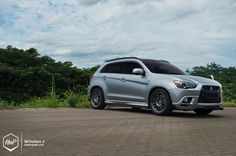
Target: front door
x=133, y=87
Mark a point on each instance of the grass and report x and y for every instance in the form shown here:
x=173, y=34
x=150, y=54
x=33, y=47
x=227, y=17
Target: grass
x=70, y=99
x=51, y=100
x=7, y=105
x=75, y=100
x=229, y=103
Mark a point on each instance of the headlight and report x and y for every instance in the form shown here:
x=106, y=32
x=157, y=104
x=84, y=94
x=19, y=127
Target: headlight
x=185, y=85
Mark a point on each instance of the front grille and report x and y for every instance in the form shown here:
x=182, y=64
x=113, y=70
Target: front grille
x=210, y=94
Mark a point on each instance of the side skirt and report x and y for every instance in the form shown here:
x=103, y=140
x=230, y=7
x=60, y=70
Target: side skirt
x=126, y=103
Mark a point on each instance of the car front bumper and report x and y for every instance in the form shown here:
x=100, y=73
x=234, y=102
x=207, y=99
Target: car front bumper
x=188, y=99
x=194, y=104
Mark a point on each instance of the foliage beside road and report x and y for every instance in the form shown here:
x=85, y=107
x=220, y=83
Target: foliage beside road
x=50, y=101
x=25, y=74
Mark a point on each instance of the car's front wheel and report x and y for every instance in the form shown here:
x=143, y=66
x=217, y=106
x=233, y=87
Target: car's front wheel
x=97, y=100
x=160, y=102
x=202, y=111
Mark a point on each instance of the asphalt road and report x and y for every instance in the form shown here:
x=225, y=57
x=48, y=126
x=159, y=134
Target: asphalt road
x=119, y=131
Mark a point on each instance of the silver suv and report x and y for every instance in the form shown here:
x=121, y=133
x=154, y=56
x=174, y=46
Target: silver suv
x=154, y=84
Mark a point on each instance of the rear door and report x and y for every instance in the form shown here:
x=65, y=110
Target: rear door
x=111, y=75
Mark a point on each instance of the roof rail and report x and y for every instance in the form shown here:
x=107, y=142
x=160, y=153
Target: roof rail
x=165, y=61
x=122, y=58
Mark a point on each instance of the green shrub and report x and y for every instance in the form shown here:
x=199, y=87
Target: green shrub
x=83, y=101
x=229, y=103
x=50, y=100
x=7, y=105
x=71, y=98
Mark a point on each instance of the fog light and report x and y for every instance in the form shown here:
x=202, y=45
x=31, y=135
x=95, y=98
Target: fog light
x=187, y=100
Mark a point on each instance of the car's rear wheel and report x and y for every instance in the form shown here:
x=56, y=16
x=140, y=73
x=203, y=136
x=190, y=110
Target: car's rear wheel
x=160, y=102
x=97, y=100
x=202, y=111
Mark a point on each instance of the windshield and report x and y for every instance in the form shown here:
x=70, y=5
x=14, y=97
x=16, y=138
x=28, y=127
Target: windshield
x=162, y=67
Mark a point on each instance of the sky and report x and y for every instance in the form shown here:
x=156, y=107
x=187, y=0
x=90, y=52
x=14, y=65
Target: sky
x=187, y=33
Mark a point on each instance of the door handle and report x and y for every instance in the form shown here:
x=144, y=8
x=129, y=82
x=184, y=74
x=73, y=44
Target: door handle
x=122, y=79
x=104, y=77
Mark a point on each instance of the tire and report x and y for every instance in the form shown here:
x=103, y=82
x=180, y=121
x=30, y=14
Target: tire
x=160, y=102
x=97, y=100
x=202, y=111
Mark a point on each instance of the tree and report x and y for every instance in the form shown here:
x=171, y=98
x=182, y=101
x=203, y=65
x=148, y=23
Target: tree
x=25, y=74
x=226, y=76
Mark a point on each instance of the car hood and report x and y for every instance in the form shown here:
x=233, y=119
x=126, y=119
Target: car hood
x=196, y=79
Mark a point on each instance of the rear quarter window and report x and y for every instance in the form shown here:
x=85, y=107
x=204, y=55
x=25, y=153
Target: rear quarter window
x=112, y=68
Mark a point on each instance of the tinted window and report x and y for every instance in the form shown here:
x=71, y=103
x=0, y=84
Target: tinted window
x=121, y=67
x=129, y=66
x=162, y=67
x=112, y=68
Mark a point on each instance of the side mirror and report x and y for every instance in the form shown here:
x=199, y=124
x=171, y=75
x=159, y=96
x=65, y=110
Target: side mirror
x=138, y=71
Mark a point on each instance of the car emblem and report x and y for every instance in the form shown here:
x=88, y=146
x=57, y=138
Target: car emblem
x=211, y=88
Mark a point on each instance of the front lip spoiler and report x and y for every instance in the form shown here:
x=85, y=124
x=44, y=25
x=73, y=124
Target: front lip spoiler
x=213, y=107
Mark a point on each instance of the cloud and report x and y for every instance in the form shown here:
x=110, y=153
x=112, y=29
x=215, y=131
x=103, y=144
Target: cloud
x=87, y=32
x=90, y=2
x=4, y=4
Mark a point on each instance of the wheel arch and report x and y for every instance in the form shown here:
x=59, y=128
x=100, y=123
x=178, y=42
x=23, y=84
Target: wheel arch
x=157, y=87
x=96, y=86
